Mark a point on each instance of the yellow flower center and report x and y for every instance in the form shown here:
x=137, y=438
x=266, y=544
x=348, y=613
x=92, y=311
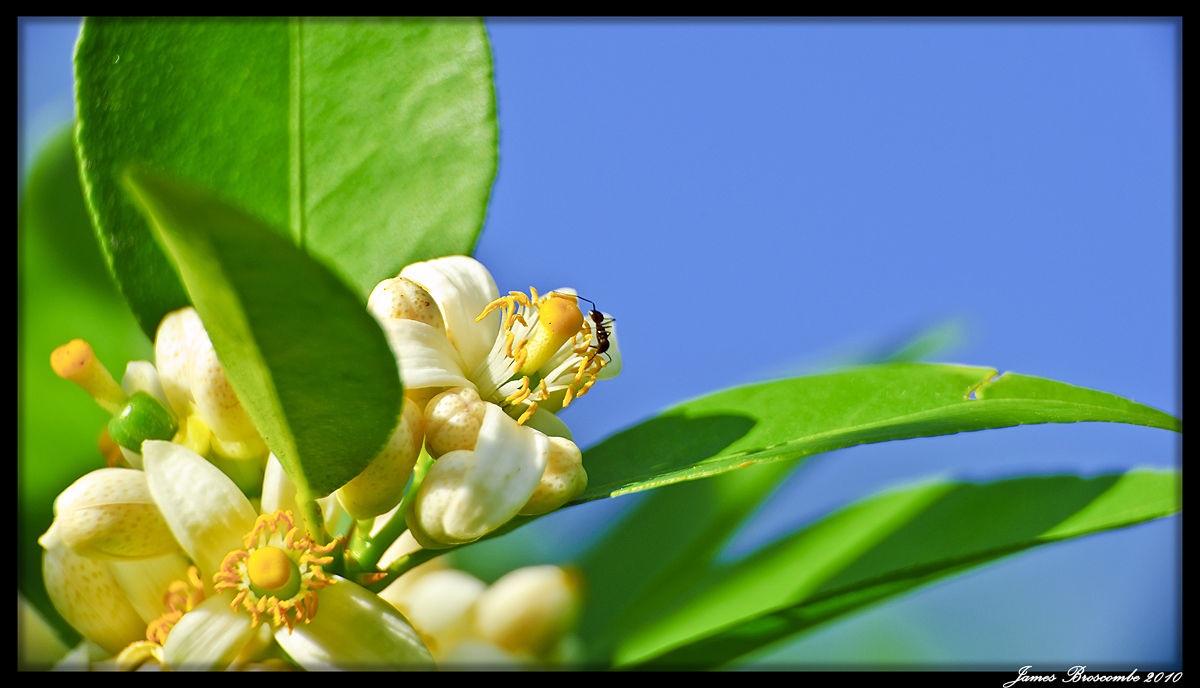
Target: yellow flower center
x=279, y=579
x=269, y=568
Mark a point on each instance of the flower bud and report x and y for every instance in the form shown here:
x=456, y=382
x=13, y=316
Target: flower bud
x=452, y=420
x=468, y=494
x=438, y=606
x=110, y=514
x=529, y=610
x=379, y=488
x=563, y=480
x=400, y=298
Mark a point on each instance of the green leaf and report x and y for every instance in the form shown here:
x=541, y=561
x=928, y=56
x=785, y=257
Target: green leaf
x=373, y=143
x=638, y=570
x=782, y=420
x=882, y=547
x=63, y=293
x=310, y=365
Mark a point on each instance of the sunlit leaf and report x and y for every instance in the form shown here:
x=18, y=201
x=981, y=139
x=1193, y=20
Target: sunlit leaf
x=371, y=143
x=311, y=367
x=775, y=421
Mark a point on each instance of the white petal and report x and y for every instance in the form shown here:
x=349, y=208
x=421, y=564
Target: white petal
x=208, y=637
x=462, y=288
x=134, y=458
x=549, y=424
x=207, y=513
x=437, y=604
x=614, y=352
x=87, y=595
x=140, y=376
x=425, y=356
x=481, y=656
x=354, y=629
x=468, y=494
x=215, y=400
x=146, y=581
x=38, y=644
x=173, y=357
x=279, y=492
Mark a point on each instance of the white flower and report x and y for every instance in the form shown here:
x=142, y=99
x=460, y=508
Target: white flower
x=515, y=351
x=476, y=361
x=194, y=382
x=268, y=573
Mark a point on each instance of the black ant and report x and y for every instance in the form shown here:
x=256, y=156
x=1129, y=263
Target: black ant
x=601, y=323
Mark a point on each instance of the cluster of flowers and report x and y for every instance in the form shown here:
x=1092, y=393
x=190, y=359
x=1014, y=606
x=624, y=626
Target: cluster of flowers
x=167, y=563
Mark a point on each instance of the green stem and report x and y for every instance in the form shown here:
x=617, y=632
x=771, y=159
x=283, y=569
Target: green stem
x=360, y=547
x=313, y=519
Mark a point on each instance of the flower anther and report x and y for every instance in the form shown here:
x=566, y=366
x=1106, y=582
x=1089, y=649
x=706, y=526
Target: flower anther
x=181, y=598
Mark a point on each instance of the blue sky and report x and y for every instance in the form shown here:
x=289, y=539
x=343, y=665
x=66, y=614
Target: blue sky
x=757, y=199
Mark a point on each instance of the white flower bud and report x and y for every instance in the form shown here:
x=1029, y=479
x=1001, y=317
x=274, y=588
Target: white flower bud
x=379, y=488
x=438, y=605
x=110, y=514
x=563, y=480
x=452, y=420
x=400, y=298
x=529, y=610
x=468, y=494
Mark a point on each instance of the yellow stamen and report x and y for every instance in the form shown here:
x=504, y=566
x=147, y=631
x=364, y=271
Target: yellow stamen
x=77, y=362
x=181, y=597
x=528, y=412
x=569, y=396
x=140, y=653
x=519, y=395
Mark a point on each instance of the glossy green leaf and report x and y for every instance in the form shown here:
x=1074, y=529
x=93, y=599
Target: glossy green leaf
x=884, y=546
x=372, y=143
x=63, y=292
x=663, y=548
x=310, y=365
x=775, y=421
